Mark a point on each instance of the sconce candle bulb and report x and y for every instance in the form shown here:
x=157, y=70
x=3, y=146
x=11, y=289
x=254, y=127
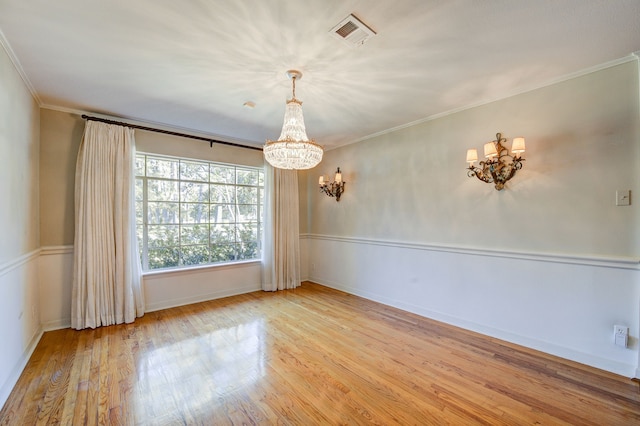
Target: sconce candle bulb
x=335, y=188
x=497, y=169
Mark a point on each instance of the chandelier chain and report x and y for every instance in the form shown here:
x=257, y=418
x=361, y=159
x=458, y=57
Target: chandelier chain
x=294, y=86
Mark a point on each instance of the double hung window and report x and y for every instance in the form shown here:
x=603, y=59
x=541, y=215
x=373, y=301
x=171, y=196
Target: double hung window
x=194, y=212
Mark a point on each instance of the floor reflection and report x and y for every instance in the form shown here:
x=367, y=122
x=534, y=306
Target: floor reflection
x=201, y=372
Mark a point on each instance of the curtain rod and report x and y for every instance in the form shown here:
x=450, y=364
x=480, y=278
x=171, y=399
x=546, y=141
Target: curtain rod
x=168, y=132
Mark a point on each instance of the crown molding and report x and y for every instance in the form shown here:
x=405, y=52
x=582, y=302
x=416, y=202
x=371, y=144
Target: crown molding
x=16, y=64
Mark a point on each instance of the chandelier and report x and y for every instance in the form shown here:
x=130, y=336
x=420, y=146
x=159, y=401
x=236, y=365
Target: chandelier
x=497, y=169
x=293, y=149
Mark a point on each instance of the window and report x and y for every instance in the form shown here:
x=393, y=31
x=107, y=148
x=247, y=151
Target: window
x=193, y=212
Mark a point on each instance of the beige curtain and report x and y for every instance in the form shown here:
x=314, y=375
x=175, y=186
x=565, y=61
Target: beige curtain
x=281, y=245
x=106, y=275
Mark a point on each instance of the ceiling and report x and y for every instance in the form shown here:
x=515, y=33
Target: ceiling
x=191, y=65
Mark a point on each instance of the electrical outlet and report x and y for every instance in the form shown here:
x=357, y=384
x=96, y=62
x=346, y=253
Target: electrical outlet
x=621, y=335
x=623, y=197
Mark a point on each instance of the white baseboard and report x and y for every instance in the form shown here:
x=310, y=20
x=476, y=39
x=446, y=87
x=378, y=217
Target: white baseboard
x=56, y=325
x=173, y=303
x=11, y=381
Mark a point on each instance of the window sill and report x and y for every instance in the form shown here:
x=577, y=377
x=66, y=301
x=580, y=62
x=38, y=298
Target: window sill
x=200, y=268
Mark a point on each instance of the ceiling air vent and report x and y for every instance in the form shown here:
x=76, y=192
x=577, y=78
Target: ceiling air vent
x=352, y=31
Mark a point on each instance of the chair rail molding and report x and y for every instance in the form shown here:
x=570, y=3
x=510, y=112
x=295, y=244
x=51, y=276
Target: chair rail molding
x=618, y=262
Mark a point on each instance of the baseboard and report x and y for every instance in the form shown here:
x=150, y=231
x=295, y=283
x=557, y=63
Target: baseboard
x=158, y=306
x=11, y=381
x=56, y=324
x=626, y=370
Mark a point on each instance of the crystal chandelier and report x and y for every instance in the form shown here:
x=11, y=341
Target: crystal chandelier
x=293, y=149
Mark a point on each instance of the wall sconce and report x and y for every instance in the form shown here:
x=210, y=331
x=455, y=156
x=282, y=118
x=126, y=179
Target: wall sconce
x=332, y=189
x=496, y=168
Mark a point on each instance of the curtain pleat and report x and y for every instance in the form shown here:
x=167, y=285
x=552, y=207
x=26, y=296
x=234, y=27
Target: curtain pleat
x=107, y=284
x=281, y=248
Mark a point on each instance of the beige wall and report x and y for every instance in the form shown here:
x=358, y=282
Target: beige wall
x=19, y=236
x=61, y=134
x=159, y=143
x=19, y=145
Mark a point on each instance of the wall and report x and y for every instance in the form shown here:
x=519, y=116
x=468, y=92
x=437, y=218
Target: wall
x=61, y=136
x=550, y=262
x=19, y=237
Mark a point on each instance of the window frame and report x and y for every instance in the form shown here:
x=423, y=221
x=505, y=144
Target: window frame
x=238, y=225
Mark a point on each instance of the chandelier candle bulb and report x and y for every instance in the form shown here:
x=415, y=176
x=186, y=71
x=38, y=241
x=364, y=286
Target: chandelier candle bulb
x=518, y=146
x=321, y=181
x=490, y=150
x=338, y=177
x=472, y=156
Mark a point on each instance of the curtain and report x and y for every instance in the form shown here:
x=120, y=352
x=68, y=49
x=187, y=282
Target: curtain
x=281, y=245
x=107, y=274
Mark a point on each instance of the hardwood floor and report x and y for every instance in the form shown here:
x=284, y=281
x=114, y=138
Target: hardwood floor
x=307, y=356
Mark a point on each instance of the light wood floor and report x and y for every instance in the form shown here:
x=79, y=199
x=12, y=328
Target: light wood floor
x=303, y=357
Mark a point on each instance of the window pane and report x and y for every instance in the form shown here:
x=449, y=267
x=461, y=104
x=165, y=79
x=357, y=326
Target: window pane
x=261, y=178
x=162, y=212
x=194, y=213
x=223, y=252
x=163, y=258
x=163, y=236
x=191, y=170
x=247, y=232
x=162, y=167
x=247, y=195
x=247, y=177
x=140, y=236
x=223, y=234
x=223, y=194
x=139, y=189
x=223, y=174
x=194, y=192
x=139, y=212
x=248, y=250
x=247, y=213
x=223, y=213
x=139, y=165
x=195, y=255
x=194, y=234
x=162, y=190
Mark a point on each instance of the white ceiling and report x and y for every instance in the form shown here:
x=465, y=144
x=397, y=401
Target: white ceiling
x=192, y=64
